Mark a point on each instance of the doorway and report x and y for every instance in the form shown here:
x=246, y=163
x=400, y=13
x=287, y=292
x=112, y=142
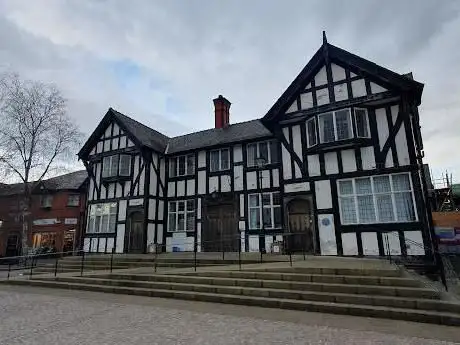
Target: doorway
x=301, y=238
x=221, y=230
x=13, y=245
x=134, y=235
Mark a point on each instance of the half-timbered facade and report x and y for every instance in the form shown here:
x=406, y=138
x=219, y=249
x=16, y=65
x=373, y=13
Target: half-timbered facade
x=335, y=163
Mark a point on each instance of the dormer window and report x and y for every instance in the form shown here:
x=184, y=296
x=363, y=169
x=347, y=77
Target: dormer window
x=116, y=165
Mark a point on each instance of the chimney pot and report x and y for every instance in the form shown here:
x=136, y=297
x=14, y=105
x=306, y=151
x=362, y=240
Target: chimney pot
x=221, y=112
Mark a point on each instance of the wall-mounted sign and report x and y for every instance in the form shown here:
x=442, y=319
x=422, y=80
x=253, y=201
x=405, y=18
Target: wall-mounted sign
x=70, y=221
x=49, y=221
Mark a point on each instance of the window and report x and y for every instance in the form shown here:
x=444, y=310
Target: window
x=46, y=200
x=376, y=199
x=335, y=126
x=73, y=200
x=312, y=138
x=265, y=149
x=182, y=165
x=181, y=215
x=220, y=160
x=116, y=165
x=362, y=123
x=102, y=218
x=265, y=207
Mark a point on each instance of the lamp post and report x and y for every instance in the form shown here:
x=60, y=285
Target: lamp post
x=261, y=162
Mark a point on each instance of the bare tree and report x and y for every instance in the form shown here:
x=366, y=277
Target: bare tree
x=37, y=137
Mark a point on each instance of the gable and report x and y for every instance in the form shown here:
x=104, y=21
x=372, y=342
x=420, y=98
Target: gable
x=113, y=138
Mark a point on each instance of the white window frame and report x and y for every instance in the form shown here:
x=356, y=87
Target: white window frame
x=107, y=170
x=129, y=165
x=73, y=197
x=46, y=200
x=313, y=119
x=350, y=125
x=269, y=146
x=185, y=212
x=220, y=168
x=374, y=197
x=174, y=172
x=94, y=213
x=367, y=123
x=260, y=206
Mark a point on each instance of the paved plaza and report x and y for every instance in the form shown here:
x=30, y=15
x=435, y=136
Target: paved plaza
x=44, y=316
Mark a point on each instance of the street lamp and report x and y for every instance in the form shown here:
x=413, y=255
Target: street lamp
x=261, y=162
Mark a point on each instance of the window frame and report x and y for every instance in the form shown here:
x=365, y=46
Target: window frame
x=334, y=122
x=367, y=123
x=220, y=168
x=186, y=212
x=92, y=217
x=117, y=173
x=261, y=208
x=73, y=196
x=174, y=165
x=269, y=155
x=374, y=194
x=48, y=197
x=313, y=119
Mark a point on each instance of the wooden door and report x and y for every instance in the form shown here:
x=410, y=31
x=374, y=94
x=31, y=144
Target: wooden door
x=134, y=237
x=220, y=231
x=300, y=227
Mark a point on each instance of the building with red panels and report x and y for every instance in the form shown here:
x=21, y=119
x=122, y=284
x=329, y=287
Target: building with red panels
x=55, y=218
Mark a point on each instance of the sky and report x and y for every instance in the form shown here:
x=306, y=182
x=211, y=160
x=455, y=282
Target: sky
x=162, y=62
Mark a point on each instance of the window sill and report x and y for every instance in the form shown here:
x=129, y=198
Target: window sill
x=182, y=177
x=349, y=143
x=117, y=178
x=219, y=172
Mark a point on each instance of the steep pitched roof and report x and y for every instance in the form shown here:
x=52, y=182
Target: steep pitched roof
x=218, y=136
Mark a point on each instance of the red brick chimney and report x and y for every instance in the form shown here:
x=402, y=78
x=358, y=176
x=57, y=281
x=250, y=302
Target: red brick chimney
x=222, y=111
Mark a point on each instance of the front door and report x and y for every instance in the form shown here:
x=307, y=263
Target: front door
x=221, y=230
x=134, y=236
x=300, y=227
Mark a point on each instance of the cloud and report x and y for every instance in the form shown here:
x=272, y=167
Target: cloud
x=163, y=62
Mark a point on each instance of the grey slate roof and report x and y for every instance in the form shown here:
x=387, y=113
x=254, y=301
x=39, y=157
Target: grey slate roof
x=217, y=136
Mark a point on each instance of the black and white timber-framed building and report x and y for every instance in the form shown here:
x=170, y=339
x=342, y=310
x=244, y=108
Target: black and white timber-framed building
x=342, y=165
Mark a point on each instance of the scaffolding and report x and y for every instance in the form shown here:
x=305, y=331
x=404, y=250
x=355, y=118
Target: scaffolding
x=442, y=194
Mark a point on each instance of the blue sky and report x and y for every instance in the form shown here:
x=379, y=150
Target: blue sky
x=162, y=62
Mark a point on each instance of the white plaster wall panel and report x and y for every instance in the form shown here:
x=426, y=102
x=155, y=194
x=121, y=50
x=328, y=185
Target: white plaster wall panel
x=127, y=188
x=359, y=88
x=321, y=77
x=241, y=205
x=265, y=178
x=332, y=165
x=101, y=248
x=111, y=190
x=122, y=210
x=171, y=189
x=93, y=151
x=400, y=140
x=198, y=237
x=122, y=142
x=178, y=240
x=349, y=244
x=225, y=183
x=242, y=225
x=150, y=234
x=327, y=241
x=201, y=182
x=97, y=173
x=393, y=240
x=110, y=243
x=338, y=72
x=136, y=202
x=253, y=243
x=86, y=244
x=313, y=165
x=297, y=187
x=94, y=247
x=119, y=190
x=116, y=129
x=152, y=209
x=108, y=131
x=370, y=243
x=238, y=176
x=268, y=243
x=191, y=187
x=251, y=180
x=367, y=157
x=375, y=88
x=306, y=100
x=135, y=172
x=323, y=194
x=279, y=238
x=322, y=96
x=103, y=191
x=348, y=160
x=286, y=134
x=153, y=181
x=90, y=189
x=237, y=153
x=243, y=241
x=162, y=174
x=161, y=206
x=181, y=188
x=341, y=92
x=383, y=131
x=198, y=208
x=292, y=108
x=276, y=178
x=297, y=144
x=160, y=233
x=201, y=159
x=389, y=159
x=115, y=144
x=130, y=143
x=352, y=74
x=414, y=243
x=213, y=184
x=100, y=146
x=308, y=86
x=106, y=145
x=286, y=157
x=141, y=183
